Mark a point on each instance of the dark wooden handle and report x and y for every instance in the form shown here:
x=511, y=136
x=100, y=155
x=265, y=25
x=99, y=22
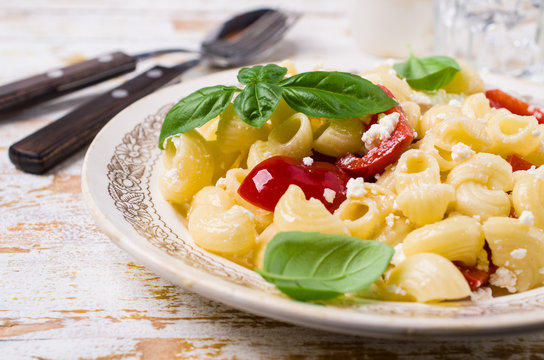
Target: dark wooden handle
x=47, y=147
x=33, y=90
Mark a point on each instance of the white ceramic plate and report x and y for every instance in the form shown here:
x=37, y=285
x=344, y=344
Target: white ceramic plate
x=120, y=185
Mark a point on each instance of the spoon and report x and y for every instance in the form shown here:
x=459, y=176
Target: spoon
x=237, y=41
x=51, y=84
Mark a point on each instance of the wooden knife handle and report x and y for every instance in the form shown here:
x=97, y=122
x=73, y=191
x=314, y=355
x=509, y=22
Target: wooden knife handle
x=33, y=90
x=47, y=147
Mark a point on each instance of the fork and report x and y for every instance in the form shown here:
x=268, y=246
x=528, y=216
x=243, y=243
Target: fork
x=52, y=144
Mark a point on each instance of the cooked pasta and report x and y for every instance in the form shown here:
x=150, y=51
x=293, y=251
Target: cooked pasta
x=438, y=203
x=189, y=167
x=294, y=213
x=427, y=277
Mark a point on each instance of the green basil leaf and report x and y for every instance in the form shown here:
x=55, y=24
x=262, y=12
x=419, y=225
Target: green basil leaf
x=195, y=110
x=333, y=94
x=257, y=102
x=428, y=73
x=314, y=266
x=270, y=73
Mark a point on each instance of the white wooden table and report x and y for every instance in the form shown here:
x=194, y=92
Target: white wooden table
x=66, y=291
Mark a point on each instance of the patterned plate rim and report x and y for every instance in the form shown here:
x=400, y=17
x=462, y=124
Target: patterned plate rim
x=512, y=314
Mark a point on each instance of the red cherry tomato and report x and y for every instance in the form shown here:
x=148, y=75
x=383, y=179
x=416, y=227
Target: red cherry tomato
x=269, y=180
x=518, y=163
x=475, y=277
x=499, y=99
x=389, y=150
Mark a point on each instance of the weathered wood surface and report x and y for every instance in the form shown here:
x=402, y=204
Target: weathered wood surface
x=66, y=291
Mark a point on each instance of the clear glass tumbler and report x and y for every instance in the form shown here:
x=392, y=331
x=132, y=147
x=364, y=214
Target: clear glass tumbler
x=503, y=36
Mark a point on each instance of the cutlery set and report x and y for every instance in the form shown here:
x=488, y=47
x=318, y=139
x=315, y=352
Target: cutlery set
x=241, y=40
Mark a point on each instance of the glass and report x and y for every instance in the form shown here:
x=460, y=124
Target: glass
x=503, y=36
x=386, y=28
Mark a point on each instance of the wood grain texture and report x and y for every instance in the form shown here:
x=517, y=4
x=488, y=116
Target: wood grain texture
x=67, y=291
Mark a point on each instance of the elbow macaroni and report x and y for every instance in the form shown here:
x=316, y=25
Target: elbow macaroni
x=441, y=202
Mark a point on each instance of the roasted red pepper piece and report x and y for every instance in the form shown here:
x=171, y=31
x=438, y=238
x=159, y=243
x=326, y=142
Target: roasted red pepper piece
x=376, y=160
x=499, y=99
x=268, y=181
x=518, y=163
x=475, y=277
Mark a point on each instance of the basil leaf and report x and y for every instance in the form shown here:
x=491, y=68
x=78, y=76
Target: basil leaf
x=195, y=110
x=334, y=95
x=428, y=73
x=270, y=73
x=313, y=266
x=257, y=102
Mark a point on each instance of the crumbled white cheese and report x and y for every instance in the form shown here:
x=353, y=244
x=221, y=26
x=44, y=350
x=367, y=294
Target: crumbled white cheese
x=355, y=187
x=481, y=294
x=380, y=131
x=329, y=194
x=518, y=253
x=527, y=218
x=395, y=289
x=460, y=152
x=172, y=175
x=420, y=98
x=221, y=182
x=454, y=102
x=399, y=256
x=504, y=278
x=390, y=219
x=308, y=161
x=538, y=172
x=249, y=214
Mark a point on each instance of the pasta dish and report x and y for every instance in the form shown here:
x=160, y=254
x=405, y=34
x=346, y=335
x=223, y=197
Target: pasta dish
x=426, y=187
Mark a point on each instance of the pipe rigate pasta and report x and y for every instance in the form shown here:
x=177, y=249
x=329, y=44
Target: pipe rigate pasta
x=339, y=136
x=293, y=138
x=528, y=195
x=476, y=106
x=421, y=196
x=427, y=277
x=486, y=169
x=512, y=134
x=518, y=249
x=436, y=115
x=217, y=224
x=386, y=76
x=467, y=81
x=457, y=238
x=189, y=166
x=294, y=213
x=426, y=204
x=413, y=114
x=234, y=135
x=474, y=199
x=365, y=216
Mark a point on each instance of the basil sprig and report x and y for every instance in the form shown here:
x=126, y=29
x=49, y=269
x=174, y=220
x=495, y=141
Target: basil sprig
x=428, y=73
x=315, y=266
x=319, y=93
